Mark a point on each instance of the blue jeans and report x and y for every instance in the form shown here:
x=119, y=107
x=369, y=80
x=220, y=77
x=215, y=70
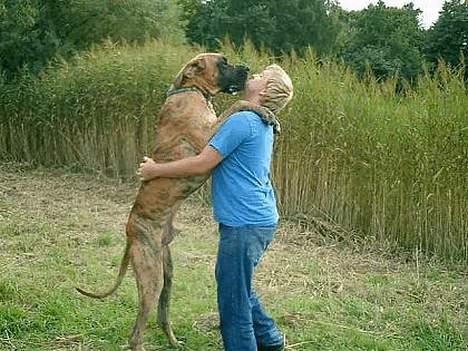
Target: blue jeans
x=244, y=322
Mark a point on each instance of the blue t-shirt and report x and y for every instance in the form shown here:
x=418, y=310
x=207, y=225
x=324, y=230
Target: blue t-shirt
x=241, y=192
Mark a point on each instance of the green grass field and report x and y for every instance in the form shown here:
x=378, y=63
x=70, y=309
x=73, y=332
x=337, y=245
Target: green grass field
x=59, y=230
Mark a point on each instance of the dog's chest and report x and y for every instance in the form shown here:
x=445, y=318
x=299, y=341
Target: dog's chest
x=203, y=120
x=183, y=129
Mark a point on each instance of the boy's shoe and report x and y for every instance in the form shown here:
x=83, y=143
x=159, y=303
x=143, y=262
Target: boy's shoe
x=271, y=348
x=279, y=347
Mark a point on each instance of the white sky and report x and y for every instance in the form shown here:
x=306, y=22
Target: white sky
x=430, y=8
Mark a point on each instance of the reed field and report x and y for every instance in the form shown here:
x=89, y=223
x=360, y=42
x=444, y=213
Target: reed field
x=356, y=160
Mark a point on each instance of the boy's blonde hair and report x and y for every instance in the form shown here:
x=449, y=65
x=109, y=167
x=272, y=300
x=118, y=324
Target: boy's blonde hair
x=279, y=89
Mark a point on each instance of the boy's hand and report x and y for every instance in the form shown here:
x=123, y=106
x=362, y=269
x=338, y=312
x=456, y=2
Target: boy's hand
x=147, y=169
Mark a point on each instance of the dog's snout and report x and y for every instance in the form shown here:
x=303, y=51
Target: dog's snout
x=232, y=80
x=244, y=67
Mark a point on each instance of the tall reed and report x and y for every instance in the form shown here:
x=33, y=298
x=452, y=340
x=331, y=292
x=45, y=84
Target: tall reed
x=389, y=166
x=96, y=112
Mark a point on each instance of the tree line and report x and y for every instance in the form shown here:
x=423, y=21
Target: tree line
x=386, y=41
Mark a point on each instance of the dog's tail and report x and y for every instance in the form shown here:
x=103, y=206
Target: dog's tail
x=123, y=269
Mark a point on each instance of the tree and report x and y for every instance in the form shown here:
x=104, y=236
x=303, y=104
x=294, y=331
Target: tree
x=386, y=40
x=189, y=8
x=276, y=24
x=34, y=31
x=206, y=25
x=447, y=39
x=19, y=38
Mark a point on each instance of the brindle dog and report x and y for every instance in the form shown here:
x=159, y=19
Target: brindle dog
x=184, y=125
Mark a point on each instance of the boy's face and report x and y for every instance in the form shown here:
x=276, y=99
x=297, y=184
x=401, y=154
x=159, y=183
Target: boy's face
x=258, y=83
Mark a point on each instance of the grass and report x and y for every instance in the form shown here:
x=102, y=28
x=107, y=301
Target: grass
x=59, y=230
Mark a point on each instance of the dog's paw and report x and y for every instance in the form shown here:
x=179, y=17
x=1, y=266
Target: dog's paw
x=267, y=116
x=277, y=127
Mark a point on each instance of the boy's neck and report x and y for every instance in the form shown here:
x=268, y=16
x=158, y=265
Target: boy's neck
x=255, y=99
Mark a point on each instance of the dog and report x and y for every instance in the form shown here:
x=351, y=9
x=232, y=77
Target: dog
x=184, y=125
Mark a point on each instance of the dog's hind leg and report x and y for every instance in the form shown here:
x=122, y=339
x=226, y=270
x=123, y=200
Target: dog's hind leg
x=164, y=300
x=147, y=262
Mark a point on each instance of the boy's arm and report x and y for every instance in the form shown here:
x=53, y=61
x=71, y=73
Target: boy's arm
x=186, y=167
x=227, y=138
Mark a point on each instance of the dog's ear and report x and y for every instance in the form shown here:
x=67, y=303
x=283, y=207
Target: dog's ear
x=194, y=68
x=178, y=80
x=188, y=72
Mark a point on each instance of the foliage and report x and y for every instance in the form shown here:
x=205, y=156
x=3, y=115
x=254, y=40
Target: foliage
x=34, y=31
x=282, y=26
x=189, y=8
x=20, y=39
x=386, y=40
x=381, y=40
x=447, y=39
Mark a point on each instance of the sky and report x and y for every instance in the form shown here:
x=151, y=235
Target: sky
x=430, y=8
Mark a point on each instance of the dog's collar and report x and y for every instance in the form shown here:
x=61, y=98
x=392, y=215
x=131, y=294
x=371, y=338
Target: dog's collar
x=172, y=91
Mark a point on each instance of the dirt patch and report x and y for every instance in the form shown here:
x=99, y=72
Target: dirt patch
x=87, y=207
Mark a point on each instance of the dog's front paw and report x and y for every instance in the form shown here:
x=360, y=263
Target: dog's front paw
x=267, y=116
x=277, y=127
